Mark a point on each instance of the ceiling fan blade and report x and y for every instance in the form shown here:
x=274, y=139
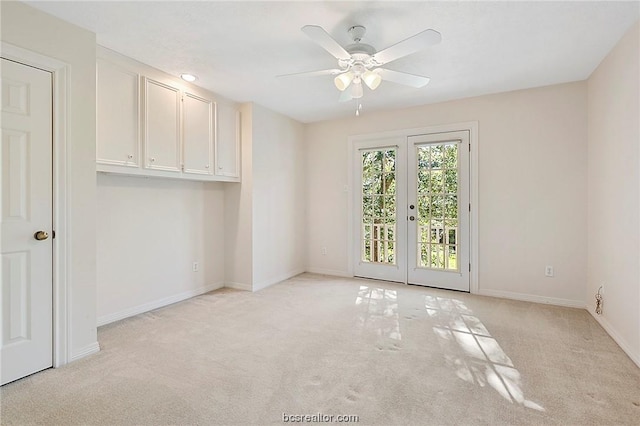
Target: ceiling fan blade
x=334, y=71
x=321, y=37
x=408, y=46
x=345, y=96
x=403, y=78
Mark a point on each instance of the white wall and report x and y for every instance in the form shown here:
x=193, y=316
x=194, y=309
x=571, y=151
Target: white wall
x=265, y=215
x=150, y=231
x=38, y=32
x=532, y=187
x=238, y=213
x=614, y=185
x=279, y=200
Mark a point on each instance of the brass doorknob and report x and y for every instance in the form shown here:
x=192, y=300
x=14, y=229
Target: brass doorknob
x=41, y=235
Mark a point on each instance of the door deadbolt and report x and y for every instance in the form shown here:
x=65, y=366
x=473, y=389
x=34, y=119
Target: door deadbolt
x=41, y=235
x=412, y=207
x=412, y=218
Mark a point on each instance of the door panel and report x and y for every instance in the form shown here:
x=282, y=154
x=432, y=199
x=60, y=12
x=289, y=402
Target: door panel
x=197, y=135
x=26, y=184
x=118, y=115
x=439, y=192
x=380, y=167
x=162, y=126
x=227, y=148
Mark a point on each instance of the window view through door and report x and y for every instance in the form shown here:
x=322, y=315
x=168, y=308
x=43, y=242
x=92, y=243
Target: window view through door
x=411, y=199
x=378, y=206
x=437, y=197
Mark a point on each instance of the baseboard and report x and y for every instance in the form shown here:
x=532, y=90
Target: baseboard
x=331, y=272
x=532, y=298
x=149, y=306
x=86, y=351
x=279, y=278
x=238, y=286
x=616, y=337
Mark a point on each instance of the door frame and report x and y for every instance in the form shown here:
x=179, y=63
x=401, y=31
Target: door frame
x=472, y=128
x=61, y=289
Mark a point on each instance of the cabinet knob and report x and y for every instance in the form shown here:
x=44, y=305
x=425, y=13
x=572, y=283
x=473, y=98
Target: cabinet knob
x=220, y=167
x=152, y=159
x=129, y=156
x=206, y=167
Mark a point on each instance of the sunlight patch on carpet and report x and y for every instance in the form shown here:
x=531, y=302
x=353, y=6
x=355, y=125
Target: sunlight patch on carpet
x=471, y=351
x=379, y=311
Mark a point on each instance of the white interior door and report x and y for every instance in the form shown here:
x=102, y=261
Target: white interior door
x=411, y=198
x=26, y=223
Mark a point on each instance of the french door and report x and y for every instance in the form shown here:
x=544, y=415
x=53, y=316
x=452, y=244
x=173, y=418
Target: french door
x=412, y=209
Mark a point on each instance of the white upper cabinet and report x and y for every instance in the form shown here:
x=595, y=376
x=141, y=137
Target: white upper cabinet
x=153, y=124
x=197, y=134
x=118, y=102
x=161, y=126
x=228, y=141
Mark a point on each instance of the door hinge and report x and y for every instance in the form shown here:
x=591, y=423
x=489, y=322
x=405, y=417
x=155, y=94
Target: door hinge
x=53, y=234
x=469, y=206
x=469, y=147
x=469, y=267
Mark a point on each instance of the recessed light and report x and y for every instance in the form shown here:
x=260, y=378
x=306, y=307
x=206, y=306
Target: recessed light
x=188, y=77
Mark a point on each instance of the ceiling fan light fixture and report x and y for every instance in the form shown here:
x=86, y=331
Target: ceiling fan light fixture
x=342, y=81
x=356, y=90
x=372, y=79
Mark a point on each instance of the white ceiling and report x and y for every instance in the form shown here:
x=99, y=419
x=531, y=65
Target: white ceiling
x=238, y=48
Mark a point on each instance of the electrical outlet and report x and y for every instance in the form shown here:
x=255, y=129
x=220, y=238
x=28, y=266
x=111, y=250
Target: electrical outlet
x=548, y=271
x=323, y=250
x=196, y=267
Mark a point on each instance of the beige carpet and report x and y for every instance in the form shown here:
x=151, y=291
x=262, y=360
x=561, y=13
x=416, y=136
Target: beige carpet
x=388, y=353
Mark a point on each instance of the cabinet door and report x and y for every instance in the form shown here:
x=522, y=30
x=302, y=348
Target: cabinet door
x=118, y=115
x=162, y=126
x=197, y=134
x=228, y=141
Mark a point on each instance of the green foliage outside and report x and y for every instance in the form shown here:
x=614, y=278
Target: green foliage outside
x=437, y=205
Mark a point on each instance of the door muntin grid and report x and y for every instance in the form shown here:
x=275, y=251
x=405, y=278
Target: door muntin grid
x=378, y=241
x=437, y=176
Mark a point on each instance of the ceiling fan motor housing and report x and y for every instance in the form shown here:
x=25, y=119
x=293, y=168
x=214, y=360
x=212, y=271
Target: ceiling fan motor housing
x=361, y=57
x=357, y=32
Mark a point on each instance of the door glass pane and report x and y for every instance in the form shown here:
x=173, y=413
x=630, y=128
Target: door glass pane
x=378, y=195
x=437, y=175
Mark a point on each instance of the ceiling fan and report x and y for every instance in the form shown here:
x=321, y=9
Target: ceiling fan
x=360, y=62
